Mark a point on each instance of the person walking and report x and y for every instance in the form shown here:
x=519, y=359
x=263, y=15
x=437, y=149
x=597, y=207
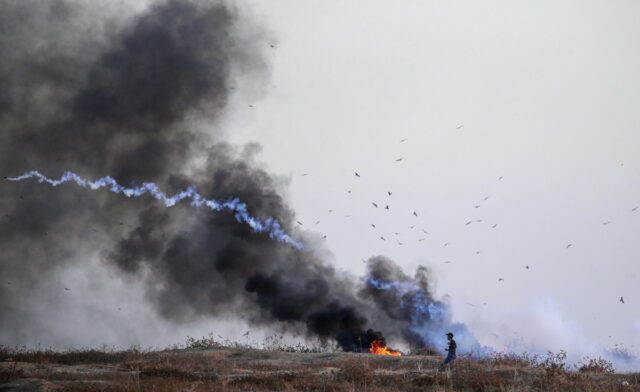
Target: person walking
x=451, y=356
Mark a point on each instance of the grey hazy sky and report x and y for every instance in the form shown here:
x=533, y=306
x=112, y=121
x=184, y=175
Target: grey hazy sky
x=547, y=93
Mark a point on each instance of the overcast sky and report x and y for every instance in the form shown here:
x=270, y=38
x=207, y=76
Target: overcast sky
x=543, y=95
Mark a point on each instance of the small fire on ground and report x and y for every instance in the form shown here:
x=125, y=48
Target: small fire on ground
x=378, y=348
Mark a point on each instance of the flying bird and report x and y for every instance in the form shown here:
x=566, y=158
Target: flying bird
x=386, y=207
x=411, y=227
x=246, y=333
x=389, y=193
x=526, y=266
x=324, y=236
x=329, y=210
x=317, y=222
x=468, y=223
x=470, y=304
x=300, y=223
x=67, y=289
x=500, y=279
x=634, y=208
x=372, y=225
x=486, y=198
x=476, y=206
x=424, y=231
x=348, y=216
x=415, y=213
x=622, y=299
x=396, y=233
x=477, y=252
x=479, y=220
x=357, y=175
x=374, y=204
x=445, y=244
x=400, y=243
x=494, y=226
x=569, y=246
x=499, y=178
x=447, y=262
x=421, y=239
x=606, y=223
x=382, y=238
x=304, y=174
x=399, y=159
x=459, y=126
x=401, y=141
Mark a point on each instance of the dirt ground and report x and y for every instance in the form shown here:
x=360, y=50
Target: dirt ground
x=242, y=369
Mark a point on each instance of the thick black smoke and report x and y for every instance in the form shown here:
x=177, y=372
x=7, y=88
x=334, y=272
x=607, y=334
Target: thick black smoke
x=119, y=96
x=406, y=300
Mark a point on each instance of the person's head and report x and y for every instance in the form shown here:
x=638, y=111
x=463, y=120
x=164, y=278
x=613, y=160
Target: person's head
x=449, y=335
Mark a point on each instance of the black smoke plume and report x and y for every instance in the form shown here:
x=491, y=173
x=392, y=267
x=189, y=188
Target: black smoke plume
x=122, y=95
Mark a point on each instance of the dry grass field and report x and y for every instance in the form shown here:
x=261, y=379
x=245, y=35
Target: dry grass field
x=204, y=365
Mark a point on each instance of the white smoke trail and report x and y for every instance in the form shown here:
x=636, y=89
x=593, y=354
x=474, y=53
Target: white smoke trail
x=269, y=225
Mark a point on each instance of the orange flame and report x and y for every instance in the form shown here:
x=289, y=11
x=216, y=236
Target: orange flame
x=378, y=348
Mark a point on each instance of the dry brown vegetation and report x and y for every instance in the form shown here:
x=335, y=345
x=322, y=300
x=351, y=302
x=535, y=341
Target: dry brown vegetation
x=206, y=365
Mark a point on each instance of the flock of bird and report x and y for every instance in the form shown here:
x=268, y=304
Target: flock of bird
x=386, y=207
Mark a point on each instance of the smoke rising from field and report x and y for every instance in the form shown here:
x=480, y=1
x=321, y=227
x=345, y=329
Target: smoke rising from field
x=140, y=98
x=542, y=326
x=422, y=319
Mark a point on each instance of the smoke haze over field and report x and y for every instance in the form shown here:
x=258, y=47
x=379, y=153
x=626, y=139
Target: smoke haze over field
x=127, y=107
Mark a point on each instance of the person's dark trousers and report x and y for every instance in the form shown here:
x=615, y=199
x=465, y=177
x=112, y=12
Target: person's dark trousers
x=450, y=358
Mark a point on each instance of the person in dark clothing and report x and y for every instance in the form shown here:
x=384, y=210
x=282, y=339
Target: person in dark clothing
x=451, y=356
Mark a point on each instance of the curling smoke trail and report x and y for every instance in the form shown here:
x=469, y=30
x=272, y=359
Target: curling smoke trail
x=269, y=225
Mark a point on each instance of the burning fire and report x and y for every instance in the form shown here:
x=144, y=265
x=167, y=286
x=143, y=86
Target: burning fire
x=378, y=348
